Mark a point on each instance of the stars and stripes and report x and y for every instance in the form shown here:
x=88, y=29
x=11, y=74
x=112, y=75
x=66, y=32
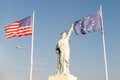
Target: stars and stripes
x=19, y=28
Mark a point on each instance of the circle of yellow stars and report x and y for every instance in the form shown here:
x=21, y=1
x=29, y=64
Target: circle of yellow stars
x=90, y=27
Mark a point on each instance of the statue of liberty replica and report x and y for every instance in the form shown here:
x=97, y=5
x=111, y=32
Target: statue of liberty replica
x=63, y=53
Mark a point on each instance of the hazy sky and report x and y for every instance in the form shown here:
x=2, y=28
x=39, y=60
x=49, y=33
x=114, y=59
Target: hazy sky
x=51, y=18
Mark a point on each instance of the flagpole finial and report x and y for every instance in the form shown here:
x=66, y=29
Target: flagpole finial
x=100, y=6
x=33, y=11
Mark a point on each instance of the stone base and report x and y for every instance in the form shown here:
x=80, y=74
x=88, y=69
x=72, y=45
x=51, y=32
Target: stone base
x=62, y=77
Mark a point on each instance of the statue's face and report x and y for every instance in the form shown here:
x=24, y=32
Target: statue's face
x=63, y=35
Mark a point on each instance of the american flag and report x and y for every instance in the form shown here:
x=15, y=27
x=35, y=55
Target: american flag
x=19, y=28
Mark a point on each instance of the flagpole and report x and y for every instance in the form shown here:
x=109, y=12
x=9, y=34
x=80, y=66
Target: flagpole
x=32, y=46
x=103, y=39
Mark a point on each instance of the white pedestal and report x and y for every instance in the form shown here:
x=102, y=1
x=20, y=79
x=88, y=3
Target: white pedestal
x=62, y=77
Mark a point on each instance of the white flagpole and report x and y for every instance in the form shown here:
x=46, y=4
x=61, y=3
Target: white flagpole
x=32, y=46
x=103, y=39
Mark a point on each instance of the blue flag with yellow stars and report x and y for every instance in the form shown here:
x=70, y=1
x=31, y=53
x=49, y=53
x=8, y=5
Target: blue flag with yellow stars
x=88, y=24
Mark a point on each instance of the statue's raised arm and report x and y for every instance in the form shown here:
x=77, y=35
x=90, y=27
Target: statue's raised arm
x=70, y=31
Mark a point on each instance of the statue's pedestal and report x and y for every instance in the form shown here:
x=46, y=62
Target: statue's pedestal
x=62, y=77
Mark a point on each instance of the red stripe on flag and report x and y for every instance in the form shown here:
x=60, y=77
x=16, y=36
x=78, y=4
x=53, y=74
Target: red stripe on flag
x=19, y=28
x=24, y=31
x=11, y=30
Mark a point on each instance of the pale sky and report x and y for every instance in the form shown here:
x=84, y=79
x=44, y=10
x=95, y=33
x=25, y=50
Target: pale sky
x=51, y=18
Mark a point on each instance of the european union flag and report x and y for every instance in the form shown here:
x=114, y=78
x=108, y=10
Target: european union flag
x=88, y=24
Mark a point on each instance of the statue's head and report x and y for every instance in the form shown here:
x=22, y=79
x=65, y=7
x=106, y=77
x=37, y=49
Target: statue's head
x=63, y=34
